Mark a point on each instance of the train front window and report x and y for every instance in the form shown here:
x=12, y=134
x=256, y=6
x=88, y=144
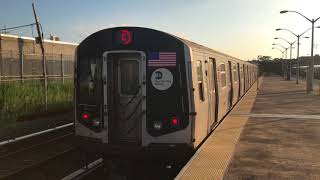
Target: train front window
x=129, y=73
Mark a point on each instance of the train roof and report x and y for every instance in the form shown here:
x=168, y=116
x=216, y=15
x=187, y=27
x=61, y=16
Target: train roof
x=199, y=46
x=188, y=42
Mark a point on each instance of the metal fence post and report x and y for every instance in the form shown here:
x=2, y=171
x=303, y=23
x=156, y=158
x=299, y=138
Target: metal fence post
x=257, y=77
x=45, y=80
x=21, y=66
x=62, y=68
x=11, y=59
x=1, y=66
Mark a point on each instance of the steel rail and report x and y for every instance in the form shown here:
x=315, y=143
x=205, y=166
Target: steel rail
x=35, y=145
x=34, y=134
x=84, y=171
x=40, y=163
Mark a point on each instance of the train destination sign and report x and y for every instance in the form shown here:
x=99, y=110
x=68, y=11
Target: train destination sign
x=124, y=37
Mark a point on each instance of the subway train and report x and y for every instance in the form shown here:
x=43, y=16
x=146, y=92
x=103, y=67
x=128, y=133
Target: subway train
x=140, y=91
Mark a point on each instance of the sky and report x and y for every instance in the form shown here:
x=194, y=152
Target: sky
x=241, y=28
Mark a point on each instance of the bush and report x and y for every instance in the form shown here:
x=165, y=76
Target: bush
x=21, y=98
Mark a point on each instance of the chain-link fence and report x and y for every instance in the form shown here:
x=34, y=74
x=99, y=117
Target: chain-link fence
x=18, y=67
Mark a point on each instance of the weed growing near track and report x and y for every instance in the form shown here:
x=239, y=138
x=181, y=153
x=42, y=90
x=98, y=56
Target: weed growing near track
x=23, y=98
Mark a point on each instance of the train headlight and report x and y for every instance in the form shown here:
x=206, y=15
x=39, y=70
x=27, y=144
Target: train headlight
x=157, y=125
x=95, y=123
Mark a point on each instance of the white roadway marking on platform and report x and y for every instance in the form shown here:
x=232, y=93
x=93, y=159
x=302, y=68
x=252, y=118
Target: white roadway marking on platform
x=292, y=116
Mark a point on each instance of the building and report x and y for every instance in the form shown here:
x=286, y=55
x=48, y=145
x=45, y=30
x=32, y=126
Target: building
x=20, y=57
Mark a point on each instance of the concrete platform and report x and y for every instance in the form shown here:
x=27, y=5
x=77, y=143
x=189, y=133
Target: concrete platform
x=280, y=137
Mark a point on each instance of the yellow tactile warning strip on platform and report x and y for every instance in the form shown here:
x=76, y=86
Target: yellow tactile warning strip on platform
x=212, y=158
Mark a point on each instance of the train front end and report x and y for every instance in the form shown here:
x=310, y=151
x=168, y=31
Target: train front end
x=131, y=92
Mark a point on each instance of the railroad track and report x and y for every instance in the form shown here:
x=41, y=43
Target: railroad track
x=37, y=165
x=48, y=154
x=14, y=140
x=51, y=155
x=85, y=171
x=57, y=166
x=14, y=146
x=25, y=152
x=33, y=146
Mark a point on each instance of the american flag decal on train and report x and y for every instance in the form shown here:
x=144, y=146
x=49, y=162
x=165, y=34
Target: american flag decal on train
x=161, y=59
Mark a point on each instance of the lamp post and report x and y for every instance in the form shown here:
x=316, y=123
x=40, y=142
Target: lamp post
x=282, y=52
x=285, y=49
x=289, y=72
x=282, y=61
x=281, y=57
x=311, y=64
x=298, y=45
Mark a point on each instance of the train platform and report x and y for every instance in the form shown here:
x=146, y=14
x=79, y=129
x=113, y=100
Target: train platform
x=272, y=133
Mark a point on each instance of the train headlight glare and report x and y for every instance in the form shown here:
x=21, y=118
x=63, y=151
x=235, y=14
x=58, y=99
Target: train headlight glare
x=157, y=125
x=95, y=123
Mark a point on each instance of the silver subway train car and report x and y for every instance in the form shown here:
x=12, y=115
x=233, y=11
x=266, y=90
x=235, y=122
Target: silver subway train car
x=139, y=90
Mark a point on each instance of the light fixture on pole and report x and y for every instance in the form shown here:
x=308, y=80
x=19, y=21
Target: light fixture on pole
x=289, y=64
x=284, y=70
x=311, y=64
x=285, y=49
x=298, y=45
x=282, y=52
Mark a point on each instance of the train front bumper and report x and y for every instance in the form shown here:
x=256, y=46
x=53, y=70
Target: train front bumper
x=154, y=151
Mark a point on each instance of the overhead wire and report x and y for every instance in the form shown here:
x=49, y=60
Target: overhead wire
x=17, y=27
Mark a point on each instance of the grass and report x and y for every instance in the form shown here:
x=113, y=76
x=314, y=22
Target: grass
x=18, y=99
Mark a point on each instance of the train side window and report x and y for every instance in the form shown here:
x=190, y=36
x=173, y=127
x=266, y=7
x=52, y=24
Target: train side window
x=235, y=74
x=223, y=75
x=200, y=80
x=241, y=72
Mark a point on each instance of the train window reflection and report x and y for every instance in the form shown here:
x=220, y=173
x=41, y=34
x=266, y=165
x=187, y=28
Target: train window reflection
x=87, y=77
x=223, y=75
x=129, y=73
x=200, y=80
x=235, y=74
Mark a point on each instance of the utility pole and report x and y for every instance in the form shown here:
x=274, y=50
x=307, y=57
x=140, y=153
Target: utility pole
x=311, y=62
x=286, y=65
x=40, y=40
x=5, y=29
x=298, y=63
x=289, y=64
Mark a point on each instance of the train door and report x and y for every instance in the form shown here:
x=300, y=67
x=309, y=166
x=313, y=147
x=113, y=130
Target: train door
x=249, y=75
x=123, y=72
x=223, y=90
x=248, y=78
x=230, y=96
x=244, y=78
x=213, y=94
x=235, y=83
x=239, y=81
